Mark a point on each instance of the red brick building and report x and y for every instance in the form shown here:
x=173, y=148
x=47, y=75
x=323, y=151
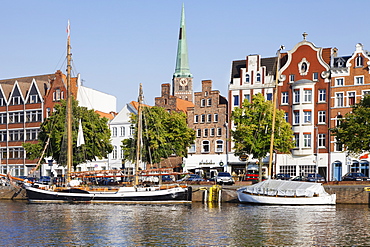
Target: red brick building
x=303, y=93
x=350, y=82
x=24, y=104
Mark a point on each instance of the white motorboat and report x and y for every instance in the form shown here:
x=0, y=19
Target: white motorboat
x=281, y=192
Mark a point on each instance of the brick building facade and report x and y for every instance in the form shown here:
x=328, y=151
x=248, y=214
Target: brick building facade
x=350, y=82
x=208, y=117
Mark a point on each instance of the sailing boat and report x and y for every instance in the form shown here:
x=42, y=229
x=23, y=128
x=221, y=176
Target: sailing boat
x=171, y=193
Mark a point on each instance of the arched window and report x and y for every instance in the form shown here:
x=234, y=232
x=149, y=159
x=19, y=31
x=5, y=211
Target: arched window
x=205, y=146
x=219, y=146
x=359, y=61
x=114, y=152
x=247, y=78
x=258, y=77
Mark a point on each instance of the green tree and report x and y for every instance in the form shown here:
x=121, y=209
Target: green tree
x=95, y=129
x=354, y=130
x=252, y=134
x=163, y=134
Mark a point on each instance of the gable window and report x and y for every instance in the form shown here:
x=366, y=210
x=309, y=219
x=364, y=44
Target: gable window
x=16, y=100
x=359, y=61
x=322, y=117
x=258, y=77
x=247, y=78
x=296, y=96
x=291, y=78
x=351, y=98
x=339, y=99
x=202, y=102
x=315, y=76
x=209, y=102
x=123, y=131
x=339, y=82
x=359, y=80
x=284, y=98
x=322, y=95
x=33, y=99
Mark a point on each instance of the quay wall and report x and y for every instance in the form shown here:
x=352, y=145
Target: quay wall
x=347, y=193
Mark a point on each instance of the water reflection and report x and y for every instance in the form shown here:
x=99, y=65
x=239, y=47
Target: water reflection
x=182, y=225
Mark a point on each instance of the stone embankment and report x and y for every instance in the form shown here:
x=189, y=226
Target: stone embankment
x=347, y=192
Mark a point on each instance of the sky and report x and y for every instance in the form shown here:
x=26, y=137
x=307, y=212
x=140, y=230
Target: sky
x=118, y=44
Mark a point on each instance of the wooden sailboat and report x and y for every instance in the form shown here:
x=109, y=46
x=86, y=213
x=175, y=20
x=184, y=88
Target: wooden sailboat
x=169, y=193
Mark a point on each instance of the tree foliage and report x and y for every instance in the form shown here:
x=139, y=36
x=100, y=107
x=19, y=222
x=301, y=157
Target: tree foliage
x=354, y=130
x=95, y=129
x=163, y=134
x=252, y=134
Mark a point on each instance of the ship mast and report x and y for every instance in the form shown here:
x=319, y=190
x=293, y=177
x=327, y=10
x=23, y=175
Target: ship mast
x=139, y=134
x=270, y=173
x=69, y=110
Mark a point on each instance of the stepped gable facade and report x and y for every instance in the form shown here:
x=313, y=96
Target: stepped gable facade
x=208, y=117
x=249, y=77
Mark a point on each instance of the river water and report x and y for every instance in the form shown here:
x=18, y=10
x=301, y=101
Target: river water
x=197, y=224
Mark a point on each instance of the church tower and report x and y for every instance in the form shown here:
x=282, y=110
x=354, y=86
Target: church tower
x=182, y=81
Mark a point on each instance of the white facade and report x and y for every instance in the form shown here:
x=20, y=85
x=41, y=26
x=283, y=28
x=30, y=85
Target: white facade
x=93, y=99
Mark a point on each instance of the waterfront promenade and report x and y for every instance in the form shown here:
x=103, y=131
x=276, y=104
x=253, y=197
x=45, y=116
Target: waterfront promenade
x=347, y=192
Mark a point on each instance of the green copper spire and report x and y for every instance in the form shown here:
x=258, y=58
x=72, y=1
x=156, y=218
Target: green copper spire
x=182, y=64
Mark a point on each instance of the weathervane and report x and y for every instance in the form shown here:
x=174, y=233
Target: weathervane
x=304, y=35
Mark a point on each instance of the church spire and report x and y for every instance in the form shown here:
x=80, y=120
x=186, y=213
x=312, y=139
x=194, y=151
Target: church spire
x=182, y=64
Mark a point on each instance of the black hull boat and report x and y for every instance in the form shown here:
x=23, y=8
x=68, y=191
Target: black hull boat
x=155, y=194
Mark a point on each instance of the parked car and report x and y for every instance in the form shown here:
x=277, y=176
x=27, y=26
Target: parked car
x=299, y=178
x=315, y=177
x=355, y=176
x=282, y=176
x=191, y=177
x=224, y=178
